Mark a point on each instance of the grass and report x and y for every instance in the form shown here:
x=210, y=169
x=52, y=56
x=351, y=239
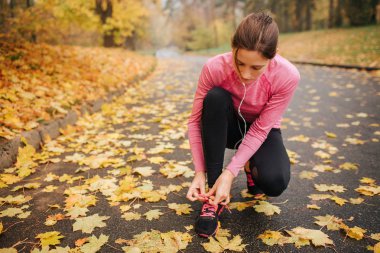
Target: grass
x=348, y=46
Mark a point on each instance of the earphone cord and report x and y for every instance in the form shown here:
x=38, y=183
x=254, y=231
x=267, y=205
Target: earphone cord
x=245, y=123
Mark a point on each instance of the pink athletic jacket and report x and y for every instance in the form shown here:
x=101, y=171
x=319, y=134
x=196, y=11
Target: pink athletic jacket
x=266, y=101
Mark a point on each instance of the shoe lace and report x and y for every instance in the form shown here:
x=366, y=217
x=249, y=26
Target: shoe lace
x=208, y=210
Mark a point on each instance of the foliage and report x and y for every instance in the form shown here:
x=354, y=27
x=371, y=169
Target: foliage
x=359, y=12
x=55, y=21
x=58, y=78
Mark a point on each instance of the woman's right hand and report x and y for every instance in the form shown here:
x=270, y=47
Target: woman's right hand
x=197, y=187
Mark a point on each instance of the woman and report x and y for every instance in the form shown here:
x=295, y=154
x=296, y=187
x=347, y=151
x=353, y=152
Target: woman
x=239, y=102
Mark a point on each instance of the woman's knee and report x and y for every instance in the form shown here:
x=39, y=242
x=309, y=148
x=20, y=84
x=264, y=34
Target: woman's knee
x=273, y=185
x=217, y=98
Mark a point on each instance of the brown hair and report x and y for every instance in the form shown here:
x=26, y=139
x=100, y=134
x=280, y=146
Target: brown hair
x=257, y=32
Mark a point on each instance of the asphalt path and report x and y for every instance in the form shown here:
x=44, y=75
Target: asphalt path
x=332, y=100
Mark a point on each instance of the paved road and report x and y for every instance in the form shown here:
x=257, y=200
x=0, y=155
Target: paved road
x=342, y=102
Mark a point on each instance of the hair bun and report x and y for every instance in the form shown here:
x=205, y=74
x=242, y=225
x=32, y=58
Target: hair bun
x=264, y=18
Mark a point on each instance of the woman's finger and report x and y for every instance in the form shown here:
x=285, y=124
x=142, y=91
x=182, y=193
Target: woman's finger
x=226, y=201
x=202, y=190
x=211, y=192
x=191, y=194
x=218, y=198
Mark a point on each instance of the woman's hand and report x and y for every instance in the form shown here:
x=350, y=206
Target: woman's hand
x=221, y=189
x=197, y=187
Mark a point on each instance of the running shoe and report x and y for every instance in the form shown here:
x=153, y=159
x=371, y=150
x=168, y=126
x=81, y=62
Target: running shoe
x=206, y=223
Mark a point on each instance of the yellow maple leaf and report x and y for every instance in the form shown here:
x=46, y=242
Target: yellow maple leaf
x=367, y=180
x=272, y=237
x=88, y=224
x=267, y=208
x=144, y=171
x=332, y=187
x=173, y=170
x=308, y=174
x=355, y=232
x=50, y=238
x=9, y=178
x=222, y=243
x=356, y=201
x=240, y=206
x=368, y=190
x=330, y=135
x=8, y=250
x=317, y=237
x=349, y=166
x=94, y=244
x=157, y=159
x=180, y=208
x=338, y=200
x=153, y=196
x=376, y=248
x=319, y=196
x=331, y=222
x=300, y=138
x=322, y=154
x=375, y=236
x=153, y=214
x=322, y=168
x=354, y=141
x=128, y=216
x=315, y=207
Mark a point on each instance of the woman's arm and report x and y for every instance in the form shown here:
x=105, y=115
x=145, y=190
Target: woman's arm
x=260, y=128
x=205, y=83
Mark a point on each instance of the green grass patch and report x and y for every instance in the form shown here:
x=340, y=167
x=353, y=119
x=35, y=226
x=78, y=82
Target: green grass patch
x=348, y=46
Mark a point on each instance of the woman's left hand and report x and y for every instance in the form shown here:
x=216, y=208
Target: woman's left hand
x=221, y=189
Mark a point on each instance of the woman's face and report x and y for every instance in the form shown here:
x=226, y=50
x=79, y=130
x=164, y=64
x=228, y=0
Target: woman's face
x=250, y=64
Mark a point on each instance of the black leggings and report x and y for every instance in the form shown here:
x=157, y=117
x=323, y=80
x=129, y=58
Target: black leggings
x=220, y=130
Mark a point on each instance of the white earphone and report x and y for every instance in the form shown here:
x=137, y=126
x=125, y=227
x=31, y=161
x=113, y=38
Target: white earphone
x=245, y=123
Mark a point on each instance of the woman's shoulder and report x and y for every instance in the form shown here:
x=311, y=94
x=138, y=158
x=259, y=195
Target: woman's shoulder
x=219, y=67
x=282, y=67
x=282, y=72
x=220, y=62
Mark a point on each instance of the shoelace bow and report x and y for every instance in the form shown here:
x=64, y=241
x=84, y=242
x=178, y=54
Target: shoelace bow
x=208, y=210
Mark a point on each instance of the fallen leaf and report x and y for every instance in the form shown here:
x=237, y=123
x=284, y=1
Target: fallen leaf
x=267, y=208
x=88, y=224
x=94, y=244
x=50, y=238
x=144, y=171
x=180, y=208
x=332, y=187
x=153, y=214
x=315, y=207
x=331, y=222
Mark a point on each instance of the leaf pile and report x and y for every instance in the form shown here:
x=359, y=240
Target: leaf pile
x=55, y=79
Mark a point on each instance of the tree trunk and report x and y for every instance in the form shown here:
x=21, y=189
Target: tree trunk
x=29, y=3
x=108, y=38
x=338, y=19
x=309, y=14
x=12, y=5
x=331, y=14
x=285, y=17
x=299, y=7
x=212, y=15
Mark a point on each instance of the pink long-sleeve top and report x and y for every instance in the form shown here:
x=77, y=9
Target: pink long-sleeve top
x=266, y=101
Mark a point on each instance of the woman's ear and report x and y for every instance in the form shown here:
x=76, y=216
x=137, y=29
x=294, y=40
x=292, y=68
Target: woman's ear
x=277, y=50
